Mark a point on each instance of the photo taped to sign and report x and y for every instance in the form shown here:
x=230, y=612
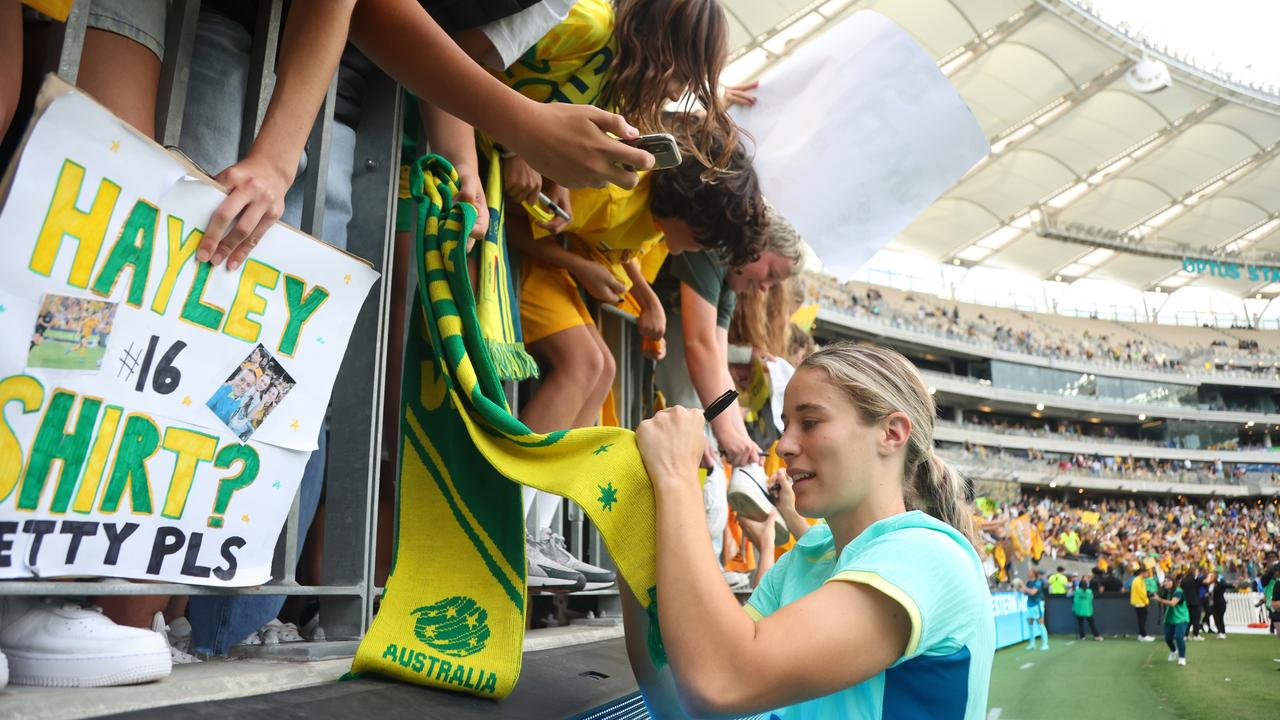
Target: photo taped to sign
x=253, y=389
x=70, y=333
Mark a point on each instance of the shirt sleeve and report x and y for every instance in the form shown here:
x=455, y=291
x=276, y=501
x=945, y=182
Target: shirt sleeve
x=513, y=35
x=699, y=271
x=724, y=309
x=767, y=597
x=930, y=576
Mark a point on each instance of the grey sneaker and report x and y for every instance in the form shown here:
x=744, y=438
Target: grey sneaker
x=548, y=575
x=552, y=547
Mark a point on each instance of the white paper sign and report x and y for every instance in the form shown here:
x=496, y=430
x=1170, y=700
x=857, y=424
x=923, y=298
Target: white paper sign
x=855, y=135
x=157, y=412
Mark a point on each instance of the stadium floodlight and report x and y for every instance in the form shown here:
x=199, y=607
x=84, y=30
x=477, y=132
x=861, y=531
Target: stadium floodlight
x=1148, y=75
x=1040, y=407
x=1142, y=416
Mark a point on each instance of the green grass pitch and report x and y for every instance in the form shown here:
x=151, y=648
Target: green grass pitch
x=53, y=354
x=1232, y=679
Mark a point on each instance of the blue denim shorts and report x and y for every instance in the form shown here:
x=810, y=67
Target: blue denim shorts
x=139, y=20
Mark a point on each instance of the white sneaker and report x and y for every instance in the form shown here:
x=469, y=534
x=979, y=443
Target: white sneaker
x=1222, y=636
x=552, y=547
x=60, y=644
x=180, y=634
x=276, y=632
x=1173, y=656
x=1182, y=662
x=252, y=638
x=1198, y=638
x=749, y=498
x=177, y=655
x=738, y=582
x=549, y=575
x=312, y=630
x=1148, y=638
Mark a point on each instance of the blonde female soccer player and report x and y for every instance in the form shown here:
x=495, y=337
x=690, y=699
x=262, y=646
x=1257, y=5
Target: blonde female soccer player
x=881, y=612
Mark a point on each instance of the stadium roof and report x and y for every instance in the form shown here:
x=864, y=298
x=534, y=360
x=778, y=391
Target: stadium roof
x=1087, y=177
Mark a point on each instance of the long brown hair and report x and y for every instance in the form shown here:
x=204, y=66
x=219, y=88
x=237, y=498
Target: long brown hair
x=880, y=381
x=763, y=319
x=663, y=39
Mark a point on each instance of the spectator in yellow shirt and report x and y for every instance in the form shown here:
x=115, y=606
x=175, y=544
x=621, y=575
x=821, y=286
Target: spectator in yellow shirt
x=1058, y=582
x=1139, y=600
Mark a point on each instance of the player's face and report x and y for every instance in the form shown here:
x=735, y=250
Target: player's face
x=827, y=444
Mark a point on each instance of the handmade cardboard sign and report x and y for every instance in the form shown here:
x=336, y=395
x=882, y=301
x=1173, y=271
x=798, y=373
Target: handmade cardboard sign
x=157, y=411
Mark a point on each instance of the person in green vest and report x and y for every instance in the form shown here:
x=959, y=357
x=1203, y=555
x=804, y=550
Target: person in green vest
x=1082, y=606
x=1058, y=582
x=1176, y=618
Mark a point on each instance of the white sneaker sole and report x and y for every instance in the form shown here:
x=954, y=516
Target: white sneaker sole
x=56, y=670
x=746, y=498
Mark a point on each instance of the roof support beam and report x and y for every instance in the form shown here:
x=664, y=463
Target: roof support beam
x=1011, y=138
x=1201, y=192
x=978, y=46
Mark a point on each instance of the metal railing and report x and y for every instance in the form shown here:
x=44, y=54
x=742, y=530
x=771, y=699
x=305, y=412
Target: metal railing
x=347, y=591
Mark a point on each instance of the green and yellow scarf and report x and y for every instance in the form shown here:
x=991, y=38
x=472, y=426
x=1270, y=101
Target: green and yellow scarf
x=453, y=615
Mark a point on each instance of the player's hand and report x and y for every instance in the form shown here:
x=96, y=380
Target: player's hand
x=671, y=444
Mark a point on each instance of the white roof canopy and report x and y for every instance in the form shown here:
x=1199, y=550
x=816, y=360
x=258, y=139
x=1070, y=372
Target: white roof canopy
x=1193, y=169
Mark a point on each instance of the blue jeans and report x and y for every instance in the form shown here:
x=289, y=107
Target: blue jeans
x=1175, y=636
x=211, y=137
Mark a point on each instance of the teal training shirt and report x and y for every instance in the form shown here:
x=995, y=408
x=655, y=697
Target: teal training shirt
x=930, y=569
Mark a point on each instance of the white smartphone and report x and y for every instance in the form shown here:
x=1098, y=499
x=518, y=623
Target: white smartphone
x=663, y=148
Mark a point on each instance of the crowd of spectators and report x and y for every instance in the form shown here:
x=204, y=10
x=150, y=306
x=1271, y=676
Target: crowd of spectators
x=1060, y=429
x=1237, y=539
x=981, y=459
x=1032, y=334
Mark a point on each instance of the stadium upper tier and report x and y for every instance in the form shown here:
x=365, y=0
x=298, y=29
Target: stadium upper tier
x=1111, y=472
x=1225, y=354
